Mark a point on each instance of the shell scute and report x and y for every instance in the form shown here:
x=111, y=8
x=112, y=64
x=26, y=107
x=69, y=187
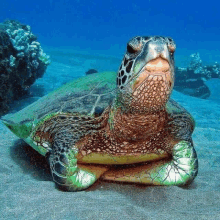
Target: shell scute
x=77, y=96
x=81, y=97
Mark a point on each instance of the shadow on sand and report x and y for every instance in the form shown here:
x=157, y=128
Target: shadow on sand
x=30, y=161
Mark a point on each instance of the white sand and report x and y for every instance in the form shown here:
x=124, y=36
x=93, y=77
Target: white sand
x=27, y=190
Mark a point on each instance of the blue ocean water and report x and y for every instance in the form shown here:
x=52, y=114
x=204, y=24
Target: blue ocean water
x=104, y=27
x=82, y=34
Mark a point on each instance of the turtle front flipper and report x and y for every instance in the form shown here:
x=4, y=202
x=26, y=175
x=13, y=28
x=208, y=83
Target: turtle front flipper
x=69, y=175
x=181, y=170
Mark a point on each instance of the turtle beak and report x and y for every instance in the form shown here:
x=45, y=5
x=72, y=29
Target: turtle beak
x=155, y=67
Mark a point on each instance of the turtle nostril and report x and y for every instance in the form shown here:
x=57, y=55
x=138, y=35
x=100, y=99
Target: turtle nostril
x=159, y=49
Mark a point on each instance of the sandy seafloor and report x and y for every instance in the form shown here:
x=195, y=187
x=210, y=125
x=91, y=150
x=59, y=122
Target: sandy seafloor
x=28, y=192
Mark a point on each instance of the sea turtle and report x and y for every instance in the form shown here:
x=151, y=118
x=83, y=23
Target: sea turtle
x=127, y=131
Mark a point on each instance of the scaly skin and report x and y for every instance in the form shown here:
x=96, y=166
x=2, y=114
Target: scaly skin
x=71, y=176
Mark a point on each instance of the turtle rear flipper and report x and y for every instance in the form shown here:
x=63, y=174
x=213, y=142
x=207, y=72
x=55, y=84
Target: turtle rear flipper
x=180, y=170
x=69, y=175
x=22, y=130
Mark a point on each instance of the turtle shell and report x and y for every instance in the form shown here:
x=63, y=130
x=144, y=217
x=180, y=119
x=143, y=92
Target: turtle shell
x=88, y=95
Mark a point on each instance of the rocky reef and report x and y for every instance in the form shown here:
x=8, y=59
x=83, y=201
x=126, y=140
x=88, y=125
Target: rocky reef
x=191, y=80
x=91, y=71
x=22, y=61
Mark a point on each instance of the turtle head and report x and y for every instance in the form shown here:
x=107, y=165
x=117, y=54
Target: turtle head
x=146, y=76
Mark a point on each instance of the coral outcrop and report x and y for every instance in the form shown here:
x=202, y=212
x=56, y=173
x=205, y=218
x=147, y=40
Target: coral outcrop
x=191, y=80
x=22, y=61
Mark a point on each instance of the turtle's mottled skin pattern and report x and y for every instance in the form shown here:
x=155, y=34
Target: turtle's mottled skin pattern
x=87, y=132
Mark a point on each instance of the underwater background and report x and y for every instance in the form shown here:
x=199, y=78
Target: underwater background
x=82, y=35
x=104, y=27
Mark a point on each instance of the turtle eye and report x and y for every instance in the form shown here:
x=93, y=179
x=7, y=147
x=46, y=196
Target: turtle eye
x=172, y=48
x=171, y=45
x=134, y=46
x=131, y=49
